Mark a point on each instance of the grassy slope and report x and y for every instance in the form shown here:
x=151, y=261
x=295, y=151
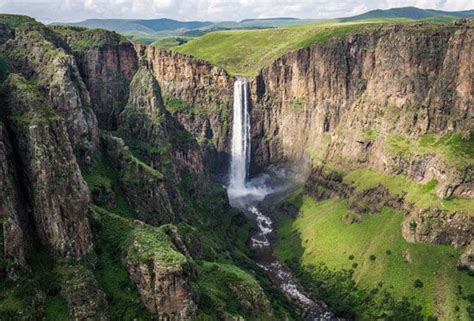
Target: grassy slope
x=319, y=234
x=421, y=195
x=244, y=52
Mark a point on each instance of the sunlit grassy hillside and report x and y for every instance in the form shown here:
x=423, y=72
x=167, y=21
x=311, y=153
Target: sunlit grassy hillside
x=378, y=254
x=244, y=52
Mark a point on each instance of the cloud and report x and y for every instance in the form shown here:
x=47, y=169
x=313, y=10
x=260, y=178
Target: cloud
x=216, y=10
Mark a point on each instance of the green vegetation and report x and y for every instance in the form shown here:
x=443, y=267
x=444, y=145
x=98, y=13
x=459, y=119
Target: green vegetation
x=151, y=244
x=142, y=38
x=20, y=297
x=421, y=195
x=453, y=148
x=225, y=287
x=371, y=134
x=244, y=52
x=28, y=94
x=5, y=68
x=122, y=296
x=15, y=21
x=410, y=13
x=173, y=104
x=169, y=42
x=102, y=179
x=82, y=39
x=56, y=309
x=320, y=241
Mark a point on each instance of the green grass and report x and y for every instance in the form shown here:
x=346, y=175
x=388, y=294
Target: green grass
x=56, y=309
x=152, y=244
x=320, y=234
x=421, y=195
x=100, y=174
x=122, y=295
x=226, y=287
x=169, y=42
x=453, y=148
x=245, y=52
x=92, y=38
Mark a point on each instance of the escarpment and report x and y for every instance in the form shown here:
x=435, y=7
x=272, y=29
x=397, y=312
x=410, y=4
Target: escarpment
x=352, y=102
x=397, y=100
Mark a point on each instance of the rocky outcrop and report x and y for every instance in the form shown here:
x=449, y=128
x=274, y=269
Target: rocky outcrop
x=56, y=191
x=82, y=292
x=36, y=52
x=160, y=273
x=199, y=96
x=144, y=187
x=107, y=63
x=467, y=258
x=342, y=102
x=438, y=227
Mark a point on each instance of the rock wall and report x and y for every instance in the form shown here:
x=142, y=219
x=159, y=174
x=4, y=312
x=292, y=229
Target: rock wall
x=57, y=193
x=161, y=274
x=321, y=103
x=204, y=95
x=36, y=52
x=107, y=63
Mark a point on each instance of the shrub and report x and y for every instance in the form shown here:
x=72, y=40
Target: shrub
x=354, y=265
x=418, y=283
x=351, y=257
x=372, y=257
x=388, y=252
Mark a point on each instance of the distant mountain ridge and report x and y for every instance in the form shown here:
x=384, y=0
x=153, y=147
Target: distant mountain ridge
x=140, y=25
x=171, y=26
x=410, y=13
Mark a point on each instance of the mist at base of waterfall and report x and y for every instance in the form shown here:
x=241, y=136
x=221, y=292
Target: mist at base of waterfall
x=257, y=189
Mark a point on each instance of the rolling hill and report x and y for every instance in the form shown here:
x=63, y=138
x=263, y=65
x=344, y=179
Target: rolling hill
x=410, y=13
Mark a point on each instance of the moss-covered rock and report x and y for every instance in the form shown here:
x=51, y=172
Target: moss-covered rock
x=36, y=51
x=82, y=292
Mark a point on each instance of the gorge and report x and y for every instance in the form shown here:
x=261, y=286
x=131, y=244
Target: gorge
x=141, y=183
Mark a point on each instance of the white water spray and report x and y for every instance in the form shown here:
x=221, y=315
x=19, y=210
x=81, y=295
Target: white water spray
x=240, y=139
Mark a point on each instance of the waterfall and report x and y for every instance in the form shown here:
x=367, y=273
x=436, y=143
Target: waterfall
x=240, y=138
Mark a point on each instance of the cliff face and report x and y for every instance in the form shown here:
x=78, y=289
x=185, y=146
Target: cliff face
x=57, y=192
x=348, y=102
x=107, y=63
x=36, y=52
x=199, y=96
x=161, y=273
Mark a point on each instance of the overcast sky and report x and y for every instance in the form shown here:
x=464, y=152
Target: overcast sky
x=214, y=10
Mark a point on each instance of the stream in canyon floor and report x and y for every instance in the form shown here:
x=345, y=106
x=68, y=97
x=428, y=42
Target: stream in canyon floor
x=251, y=196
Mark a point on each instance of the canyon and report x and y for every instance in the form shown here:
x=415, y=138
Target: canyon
x=113, y=158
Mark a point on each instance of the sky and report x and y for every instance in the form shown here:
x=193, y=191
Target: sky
x=212, y=10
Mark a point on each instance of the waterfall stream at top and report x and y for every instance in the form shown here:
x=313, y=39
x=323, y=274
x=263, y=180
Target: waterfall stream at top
x=249, y=195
